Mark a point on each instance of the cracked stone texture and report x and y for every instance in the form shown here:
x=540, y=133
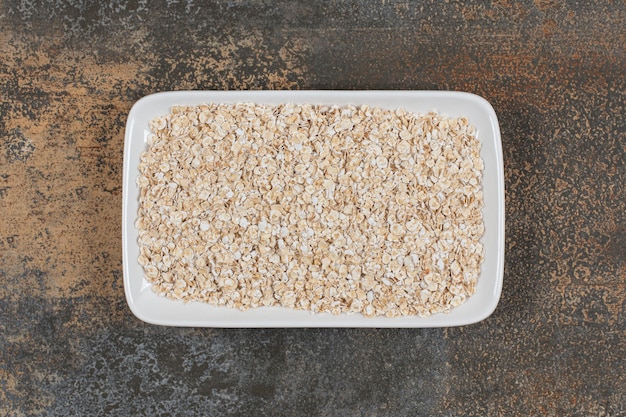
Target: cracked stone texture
x=554, y=72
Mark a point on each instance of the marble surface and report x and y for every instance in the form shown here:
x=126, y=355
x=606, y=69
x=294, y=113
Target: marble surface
x=554, y=72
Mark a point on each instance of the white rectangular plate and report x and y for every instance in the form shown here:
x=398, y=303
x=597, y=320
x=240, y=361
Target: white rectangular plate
x=149, y=307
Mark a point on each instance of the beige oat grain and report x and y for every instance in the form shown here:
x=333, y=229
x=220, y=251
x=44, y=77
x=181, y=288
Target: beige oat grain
x=323, y=208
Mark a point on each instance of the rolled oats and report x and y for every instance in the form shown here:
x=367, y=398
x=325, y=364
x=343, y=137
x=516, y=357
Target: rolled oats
x=323, y=208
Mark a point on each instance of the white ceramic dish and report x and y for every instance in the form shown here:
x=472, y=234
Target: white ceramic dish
x=149, y=307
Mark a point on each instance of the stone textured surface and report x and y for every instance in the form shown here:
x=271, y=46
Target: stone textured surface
x=555, y=74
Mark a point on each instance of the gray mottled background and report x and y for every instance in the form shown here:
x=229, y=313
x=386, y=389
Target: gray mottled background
x=554, y=72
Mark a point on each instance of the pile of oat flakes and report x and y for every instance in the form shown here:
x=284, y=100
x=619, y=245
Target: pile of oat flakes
x=325, y=208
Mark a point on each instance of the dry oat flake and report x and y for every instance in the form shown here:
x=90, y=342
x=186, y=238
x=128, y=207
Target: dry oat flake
x=336, y=209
